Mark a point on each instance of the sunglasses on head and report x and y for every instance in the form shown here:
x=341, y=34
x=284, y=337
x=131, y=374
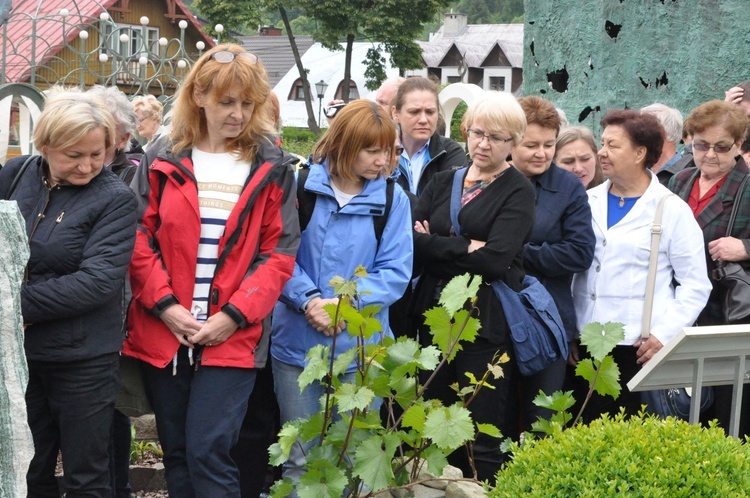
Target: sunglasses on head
x=225, y=56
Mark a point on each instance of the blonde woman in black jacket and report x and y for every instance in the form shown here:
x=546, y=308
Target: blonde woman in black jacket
x=80, y=220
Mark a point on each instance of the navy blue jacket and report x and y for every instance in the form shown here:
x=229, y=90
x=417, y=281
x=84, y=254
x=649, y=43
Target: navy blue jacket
x=81, y=240
x=562, y=242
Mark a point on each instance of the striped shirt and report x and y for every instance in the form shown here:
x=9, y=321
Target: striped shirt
x=220, y=178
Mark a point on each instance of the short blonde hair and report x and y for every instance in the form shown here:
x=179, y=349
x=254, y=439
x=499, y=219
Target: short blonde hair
x=499, y=111
x=150, y=106
x=213, y=79
x=68, y=116
x=360, y=125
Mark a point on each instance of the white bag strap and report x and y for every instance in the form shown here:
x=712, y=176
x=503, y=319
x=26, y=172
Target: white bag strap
x=653, y=259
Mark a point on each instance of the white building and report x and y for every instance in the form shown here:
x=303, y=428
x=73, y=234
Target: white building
x=487, y=55
x=323, y=64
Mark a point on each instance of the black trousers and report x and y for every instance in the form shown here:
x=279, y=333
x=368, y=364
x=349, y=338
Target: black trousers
x=70, y=409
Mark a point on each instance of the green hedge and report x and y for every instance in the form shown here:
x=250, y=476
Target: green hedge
x=298, y=141
x=639, y=457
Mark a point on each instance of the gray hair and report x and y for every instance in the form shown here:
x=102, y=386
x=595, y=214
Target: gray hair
x=121, y=108
x=670, y=119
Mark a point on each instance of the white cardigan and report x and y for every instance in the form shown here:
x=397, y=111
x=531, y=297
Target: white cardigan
x=613, y=289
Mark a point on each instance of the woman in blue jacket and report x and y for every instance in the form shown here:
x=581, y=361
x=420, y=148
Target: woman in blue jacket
x=352, y=162
x=562, y=241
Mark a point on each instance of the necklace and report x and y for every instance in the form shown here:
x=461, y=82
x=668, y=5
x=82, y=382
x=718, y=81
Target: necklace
x=621, y=202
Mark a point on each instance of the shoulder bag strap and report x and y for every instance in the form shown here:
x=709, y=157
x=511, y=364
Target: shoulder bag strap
x=20, y=173
x=736, y=205
x=653, y=259
x=456, y=192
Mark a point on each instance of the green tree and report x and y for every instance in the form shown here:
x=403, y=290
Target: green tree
x=233, y=15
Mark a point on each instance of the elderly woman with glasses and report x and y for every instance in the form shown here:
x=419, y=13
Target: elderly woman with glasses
x=496, y=218
x=216, y=246
x=711, y=189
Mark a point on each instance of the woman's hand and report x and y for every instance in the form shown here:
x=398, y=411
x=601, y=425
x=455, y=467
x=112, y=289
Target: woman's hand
x=647, y=349
x=181, y=323
x=727, y=249
x=476, y=244
x=217, y=329
x=422, y=227
x=734, y=95
x=318, y=317
x=573, y=357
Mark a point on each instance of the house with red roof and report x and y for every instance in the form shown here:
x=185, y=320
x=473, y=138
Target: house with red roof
x=135, y=44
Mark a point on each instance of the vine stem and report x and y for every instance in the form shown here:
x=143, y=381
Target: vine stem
x=443, y=361
x=588, y=395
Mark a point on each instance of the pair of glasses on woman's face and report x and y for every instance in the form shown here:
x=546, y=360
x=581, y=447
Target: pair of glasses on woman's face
x=479, y=135
x=225, y=56
x=718, y=148
x=399, y=150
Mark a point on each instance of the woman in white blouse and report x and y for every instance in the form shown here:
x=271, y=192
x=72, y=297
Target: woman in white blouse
x=614, y=288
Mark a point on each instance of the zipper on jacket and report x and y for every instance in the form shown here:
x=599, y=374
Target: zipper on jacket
x=39, y=218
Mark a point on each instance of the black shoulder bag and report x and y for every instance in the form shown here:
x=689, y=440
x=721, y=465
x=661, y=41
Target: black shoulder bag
x=734, y=277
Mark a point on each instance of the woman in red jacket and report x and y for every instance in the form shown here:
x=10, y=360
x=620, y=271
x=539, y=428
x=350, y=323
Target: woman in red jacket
x=216, y=246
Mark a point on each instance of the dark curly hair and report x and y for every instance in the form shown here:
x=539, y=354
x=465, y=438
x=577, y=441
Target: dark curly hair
x=643, y=129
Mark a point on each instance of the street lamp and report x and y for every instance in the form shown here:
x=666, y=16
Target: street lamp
x=320, y=87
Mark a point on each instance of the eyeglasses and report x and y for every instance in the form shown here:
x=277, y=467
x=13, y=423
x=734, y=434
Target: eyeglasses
x=718, y=148
x=479, y=135
x=225, y=56
x=399, y=150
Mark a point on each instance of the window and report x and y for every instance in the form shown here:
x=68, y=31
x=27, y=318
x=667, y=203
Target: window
x=454, y=79
x=353, y=91
x=134, y=46
x=298, y=91
x=497, y=83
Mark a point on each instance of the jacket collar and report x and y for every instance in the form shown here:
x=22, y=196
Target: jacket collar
x=639, y=215
x=549, y=180
x=724, y=198
x=371, y=201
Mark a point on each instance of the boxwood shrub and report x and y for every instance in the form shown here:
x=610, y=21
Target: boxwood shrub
x=638, y=457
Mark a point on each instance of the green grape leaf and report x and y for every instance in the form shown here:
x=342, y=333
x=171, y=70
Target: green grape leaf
x=354, y=321
x=608, y=380
x=323, y=481
x=559, y=401
x=312, y=427
x=439, y=322
x=405, y=388
x=282, y=488
x=350, y=396
x=342, y=363
x=360, y=272
x=490, y=430
x=343, y=288
x=370, y=310
x=279, y=452
x=473, y=381
x=436, y=460
x=450, y=427
x=458, y=291
x=317, y=366
x=414, y=417
x=371, y=327
x=600, y=339
x=372, y=461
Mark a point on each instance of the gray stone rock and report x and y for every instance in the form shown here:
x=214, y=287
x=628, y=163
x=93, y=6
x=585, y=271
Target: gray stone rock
x=148, y=478
x=145, y=427
x=449, y=472
x=16, y=446
x=464, y=489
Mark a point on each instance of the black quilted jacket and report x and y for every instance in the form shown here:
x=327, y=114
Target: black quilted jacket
x=81, y=241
